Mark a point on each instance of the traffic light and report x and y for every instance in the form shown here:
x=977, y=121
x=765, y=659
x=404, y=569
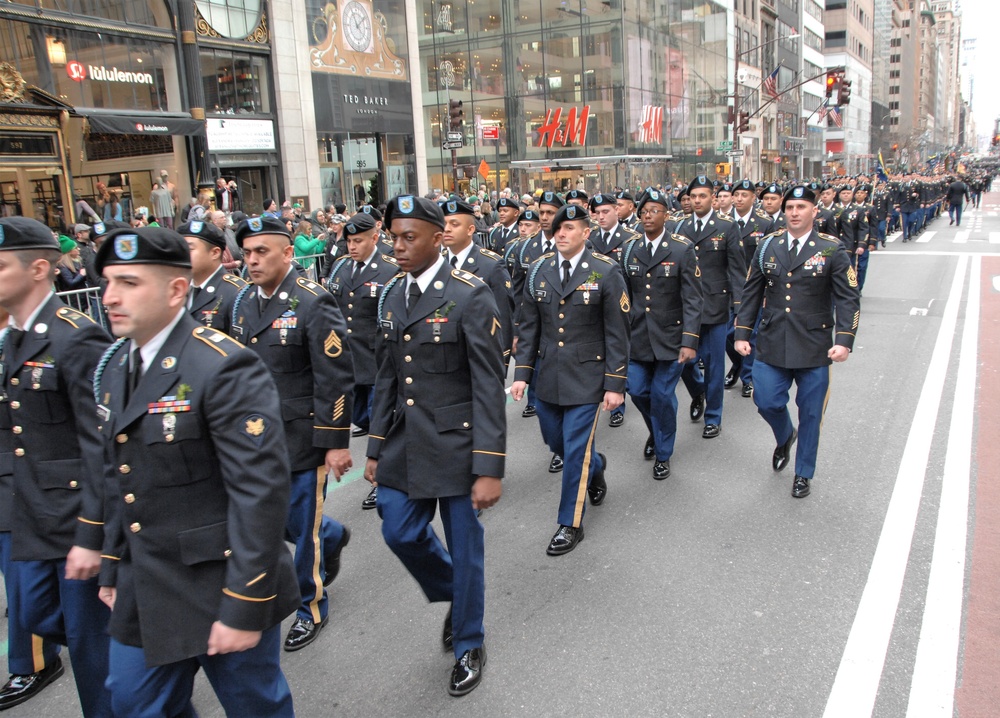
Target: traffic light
x=456, y=116
x=844, y=94
x=831, y=82
x=744, y=123
x=895, y=147
x=722, y=168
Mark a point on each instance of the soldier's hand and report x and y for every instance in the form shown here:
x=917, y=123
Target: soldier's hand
x=108, y=594
x=338, y=462
x=859, y=250
x=687, y=354
x=513, y=347
x=837, y=353
x=82, y=563
x=224, y=639
x=612, y=400
x=517, y=390
x=486, y=491
x=370, y=468
x=742, y=347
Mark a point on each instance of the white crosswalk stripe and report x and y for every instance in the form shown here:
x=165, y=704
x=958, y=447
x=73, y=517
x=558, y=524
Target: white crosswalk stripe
x=994, y=237
x=893, y=237
x=927, y=236
x=961, y=237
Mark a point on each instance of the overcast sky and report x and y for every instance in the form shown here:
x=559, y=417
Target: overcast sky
x=980, y=20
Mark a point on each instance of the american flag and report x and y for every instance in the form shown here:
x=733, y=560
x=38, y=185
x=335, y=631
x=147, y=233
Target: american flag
x=771, y=84
x=651, y=124
x=837, y=115
x=821, y=112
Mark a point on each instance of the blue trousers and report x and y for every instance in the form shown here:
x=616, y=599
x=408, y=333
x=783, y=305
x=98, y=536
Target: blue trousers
x=314, y=536
x=746, y=370
x=569, y=431
x=770, y=394
x=653, y=387
x=455, y=574
x=909, y=221
x=880, y=231
x=249, y=683
x=26, y=653
x=693, y=378
x=955, y=212
x=712, y=349
x=364, y=396
x=70, y=613
x=893, y=219
x=862, y=267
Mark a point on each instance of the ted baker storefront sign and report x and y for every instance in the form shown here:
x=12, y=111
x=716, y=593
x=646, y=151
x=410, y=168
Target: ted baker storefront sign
x=79, y=73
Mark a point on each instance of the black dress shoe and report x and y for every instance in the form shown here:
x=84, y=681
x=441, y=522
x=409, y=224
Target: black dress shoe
x=565, y=540
x=359, y=432
x=370, y=501
x=331, y=562
x=556, y=465
x=468, y=672
x=649, y=450
x=447, y=635
x=661, y=470
x=302, y=633
x=747, y=391
x=529, y=411
x=711, y=431
x=731, y=377
x=782, y=452
x=698, y=407
x=598, y=488
x=800, y=487
x=616, y=420
x=18, y=689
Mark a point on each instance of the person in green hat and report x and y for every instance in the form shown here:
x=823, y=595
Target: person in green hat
x=70, y=273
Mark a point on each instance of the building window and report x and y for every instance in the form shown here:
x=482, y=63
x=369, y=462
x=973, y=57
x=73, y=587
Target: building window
x=235, y=83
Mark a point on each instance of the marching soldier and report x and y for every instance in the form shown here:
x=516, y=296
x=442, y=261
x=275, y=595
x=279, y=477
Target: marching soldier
x=439, y=428
x=294, y=325
x=826, y=215
x=213, y=289
x=56, y=454
x=770, y=202
x=195, y=569
x=626, y=210
x=356, y=282
x=508, y=210
x=798, y=280
x=574, y=339
x=665, y=282
x=880, y=214
x=852, y=225
x=383, y=237
x=724, y=195
x=866, y=214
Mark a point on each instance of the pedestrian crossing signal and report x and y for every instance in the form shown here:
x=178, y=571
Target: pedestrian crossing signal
x=722, y=168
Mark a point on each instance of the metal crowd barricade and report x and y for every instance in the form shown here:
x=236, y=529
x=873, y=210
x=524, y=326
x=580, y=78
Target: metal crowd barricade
x=87, y=301
x=312, y=266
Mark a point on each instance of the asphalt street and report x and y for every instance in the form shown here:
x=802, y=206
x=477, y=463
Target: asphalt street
x=715, y=593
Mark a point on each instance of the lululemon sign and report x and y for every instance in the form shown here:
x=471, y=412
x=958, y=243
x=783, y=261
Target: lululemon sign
x=79, y=73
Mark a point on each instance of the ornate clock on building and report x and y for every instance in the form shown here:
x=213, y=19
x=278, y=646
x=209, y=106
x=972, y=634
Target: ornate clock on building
x=357, y=24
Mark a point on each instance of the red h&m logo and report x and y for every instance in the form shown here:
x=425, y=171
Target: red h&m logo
x=575, y=132
x=76, y=71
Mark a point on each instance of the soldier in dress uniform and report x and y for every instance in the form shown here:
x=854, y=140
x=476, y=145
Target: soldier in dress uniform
x=879, y=216
x=508, y=210
x=770, y=202
x=798, y=280
x=56, y=458
x=213, y=289
x=294, y=325
x=724, y=196
x=626, y=210
x=866, y=212
x=384, y=240
x=852, y=226
x=574, y=339
x=611, y=238
x=356, y=282
x=684, y=213
x=578, y=197
x=719, y=246
x=826, y=215
x=439, y=430
x=195, y=568
x=665, y=284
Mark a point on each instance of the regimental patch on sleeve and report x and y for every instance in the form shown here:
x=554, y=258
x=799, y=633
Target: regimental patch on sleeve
x=333, y=347
x=338, y=408
x=626, y=305
x=254, y=427
x=852, y=277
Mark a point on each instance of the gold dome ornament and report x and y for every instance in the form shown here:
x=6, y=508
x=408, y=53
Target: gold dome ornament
x=12, y=84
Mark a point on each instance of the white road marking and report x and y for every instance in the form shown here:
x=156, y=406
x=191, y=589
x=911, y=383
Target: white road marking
x=994, y=237
x=860, y=672
x=893, y=237
x=926, y=236
x=962, y=236
x=932, y=690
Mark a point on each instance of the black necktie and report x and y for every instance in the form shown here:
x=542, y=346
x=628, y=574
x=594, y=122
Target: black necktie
x=454, y=260
x=566, y=267
x=263, y=302
x=606, y=238
x=15, y=337
x=357, y=269
x=649, y=247
x=793, y=248
x=548, y=247
x=414, y=295
x=742, y=224
x=134, y=372
x=697, y=226
x=195, y=291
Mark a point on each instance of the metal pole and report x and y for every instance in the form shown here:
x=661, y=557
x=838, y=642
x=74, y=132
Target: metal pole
x=736, y=106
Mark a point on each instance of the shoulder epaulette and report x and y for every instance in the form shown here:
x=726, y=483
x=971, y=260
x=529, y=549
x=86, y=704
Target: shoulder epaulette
x=72, y=316
x=234, y=280
x=827, y=237
x=309, y=285
x=390, y=259
x=602, y=257
x=467, y=277
x=761, y=213
x=385, y=293
x=680, y=238
x=723, y=217
x=102, y=365
x=214, y=338
x=488, y=253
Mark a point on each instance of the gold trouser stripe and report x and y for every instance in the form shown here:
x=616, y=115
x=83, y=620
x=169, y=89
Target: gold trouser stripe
x=581, y=494
x=317, y=524
x=37, y=656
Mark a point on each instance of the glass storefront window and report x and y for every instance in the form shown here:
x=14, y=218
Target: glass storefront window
x=235, y=83
x=134, y=12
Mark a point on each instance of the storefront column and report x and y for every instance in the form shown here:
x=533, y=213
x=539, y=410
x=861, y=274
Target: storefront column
x=195, y=91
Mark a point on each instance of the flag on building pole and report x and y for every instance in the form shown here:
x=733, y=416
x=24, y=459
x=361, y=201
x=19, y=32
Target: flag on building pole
x=821, y=112
x=771, y=83
x=837, y=114
x=484, y=170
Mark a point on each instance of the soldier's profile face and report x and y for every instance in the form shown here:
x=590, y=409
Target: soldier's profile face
x=772, y=203
x=267, y=257
x=528, y=229
x=799, y=215
x=546, y=213
x=361, y=245
x=142, y=299
x=625, y=208
x=507, y=214
x=416, y=244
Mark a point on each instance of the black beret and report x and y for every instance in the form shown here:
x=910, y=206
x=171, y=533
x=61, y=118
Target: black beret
x=683, y=192
x=745, y=185
x=99, y=229
x=456, y=206
x=26, y=233
x=568, y=213
x=373, y=211
x=845, y=188
x=799, y=191
x=577, y=194
x=771, y=189
x=265, y=224
x=654, y=196
x=529, y=215
x=408, y=206
x=143, y=245
x=203, y=230
x=761, y=185
x=624, y=194
x=725, y=187
x=862, y=188
x=551, y=199
x=359, y=223
x=598, y=199
x=508, y=202
x=715, y=183
x=699, y=181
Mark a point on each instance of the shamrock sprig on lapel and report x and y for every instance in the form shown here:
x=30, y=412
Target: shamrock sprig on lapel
x=441, y=313
x=594, y=276
x=182, y=391
x=293, y=303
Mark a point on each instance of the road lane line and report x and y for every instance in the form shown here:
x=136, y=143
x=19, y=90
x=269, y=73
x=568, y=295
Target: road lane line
x=932, y=690
x=962, y=236
x=994, y=237
x=926, y=236
x=893, y=237
x=859, y=674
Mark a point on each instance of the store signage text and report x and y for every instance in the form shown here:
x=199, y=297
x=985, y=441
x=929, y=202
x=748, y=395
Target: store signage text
x=575, y=131
x=79, y=73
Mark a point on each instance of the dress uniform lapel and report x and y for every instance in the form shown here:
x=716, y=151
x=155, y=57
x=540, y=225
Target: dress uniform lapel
x=277, y=306
x=37, y=340
x=367, y=274
x=805, y=251
x=433, y=298
x=471, y=265
x=208, y=295
x=159, y=377
x=579, y=275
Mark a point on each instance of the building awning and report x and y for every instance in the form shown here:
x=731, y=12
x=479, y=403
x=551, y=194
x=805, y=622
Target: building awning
x=146, y=124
